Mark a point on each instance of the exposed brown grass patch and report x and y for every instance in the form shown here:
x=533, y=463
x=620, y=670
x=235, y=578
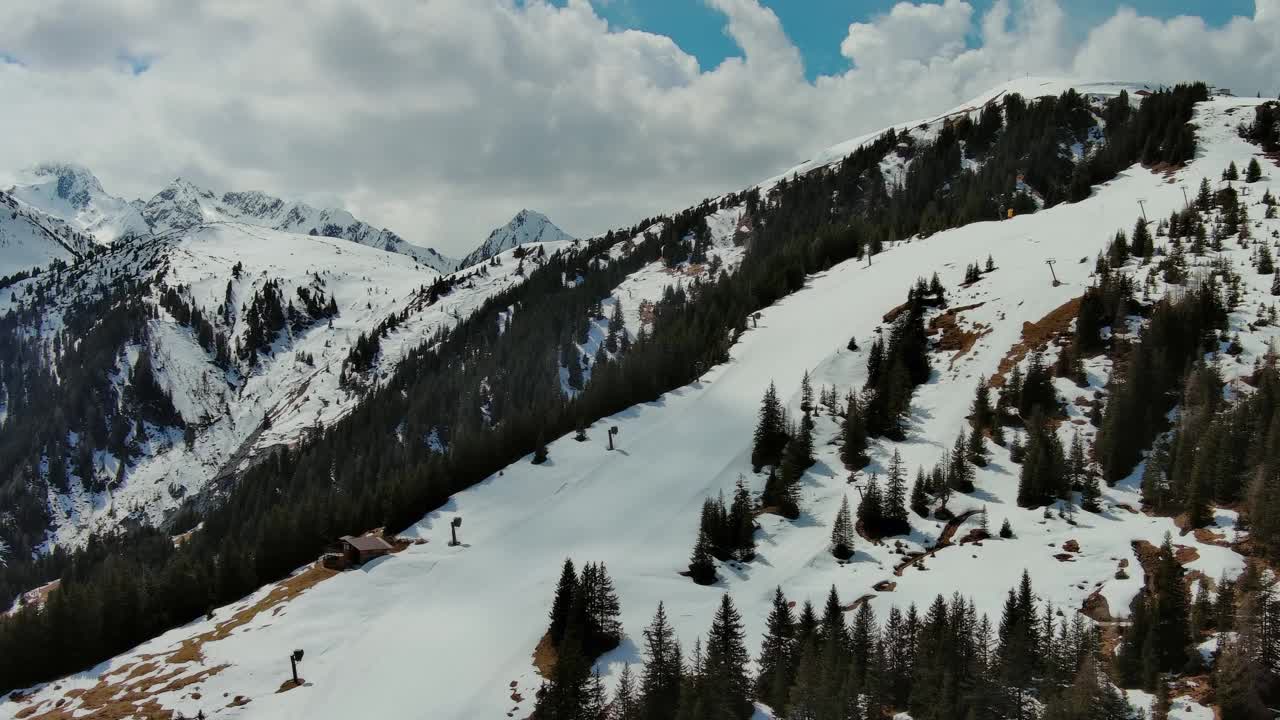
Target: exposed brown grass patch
x=1036, y=335
x=951, y=336
x=545, y=656
x=1184, y=554
x=129, y=691
x=1209, y=537
x=289, y=684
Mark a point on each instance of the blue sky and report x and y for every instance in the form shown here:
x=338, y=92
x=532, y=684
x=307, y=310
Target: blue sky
x=818, y=26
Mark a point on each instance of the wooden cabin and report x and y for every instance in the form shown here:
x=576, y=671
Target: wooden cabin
x=353, y=551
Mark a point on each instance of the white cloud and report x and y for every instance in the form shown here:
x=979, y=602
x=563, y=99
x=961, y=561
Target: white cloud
x=441, y=118
x=909, y=33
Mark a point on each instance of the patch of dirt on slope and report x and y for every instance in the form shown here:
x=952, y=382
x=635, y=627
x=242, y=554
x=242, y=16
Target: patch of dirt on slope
x=1036, y=335
x=545, y=656
x=129, y=691
x=952, y=337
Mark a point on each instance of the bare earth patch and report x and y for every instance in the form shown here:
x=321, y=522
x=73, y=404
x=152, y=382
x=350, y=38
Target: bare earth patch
x=130, y=690
x=952, y=337
x=1036, y=335
x=545, y=656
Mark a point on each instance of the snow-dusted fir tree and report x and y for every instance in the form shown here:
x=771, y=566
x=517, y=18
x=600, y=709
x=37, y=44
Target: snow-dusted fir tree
x=842, y=531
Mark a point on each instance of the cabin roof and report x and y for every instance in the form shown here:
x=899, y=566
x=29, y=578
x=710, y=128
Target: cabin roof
x=366, y=543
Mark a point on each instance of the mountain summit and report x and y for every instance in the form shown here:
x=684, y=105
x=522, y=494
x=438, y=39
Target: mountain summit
x=73, y=194
x=528, y=226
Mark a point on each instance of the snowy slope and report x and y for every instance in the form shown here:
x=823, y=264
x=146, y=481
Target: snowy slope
x=294, y=388
x=526, y=227
x=450, y=630
x=73, y=194
x=181, y=206
x=29, y=238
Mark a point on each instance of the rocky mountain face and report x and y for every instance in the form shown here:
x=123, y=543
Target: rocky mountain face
x=73, y=194
x=526, y=227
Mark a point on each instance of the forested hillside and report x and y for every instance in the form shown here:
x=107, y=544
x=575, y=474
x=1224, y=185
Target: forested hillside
x=551, y=355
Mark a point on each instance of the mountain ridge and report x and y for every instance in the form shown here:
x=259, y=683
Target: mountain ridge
x=527, y=226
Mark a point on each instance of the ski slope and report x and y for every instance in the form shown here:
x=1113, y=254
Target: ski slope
x=439, y=631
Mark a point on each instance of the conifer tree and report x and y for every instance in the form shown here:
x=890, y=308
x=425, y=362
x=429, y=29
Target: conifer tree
x=1232, y=172
x=980, y=413
x=1253, y=173
x=741, y=523
x=727, y=685
x=875, y=361
x=597, y=698
x=616, y=327
x=895, y=498
x=775, y=661
x=937, y=291
x=976, y=452
x=871, y=509
x=626, y=703
x=853, y=436
x=1006, y=530
x=604, y=613
x=919, y=503
x=663, y=670
x=842, y=532
x=1091, y=495
x=1204, y=196
x=1141, y=245
x=560, y=606
x=806, y=393
x=771, y=433
x=702, y=567
x=959, y=472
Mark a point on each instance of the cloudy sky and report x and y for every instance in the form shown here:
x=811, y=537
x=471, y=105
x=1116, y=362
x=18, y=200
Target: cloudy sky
x=442, y=118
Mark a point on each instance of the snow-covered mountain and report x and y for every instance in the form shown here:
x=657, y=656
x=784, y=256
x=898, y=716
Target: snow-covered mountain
x=74, y=195
x=236, y=403
x=638, y=510
x=30, y=238
x=182, y=205
x=526, y=227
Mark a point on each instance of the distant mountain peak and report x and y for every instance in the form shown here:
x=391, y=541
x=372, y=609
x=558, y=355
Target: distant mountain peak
x=527, y=226
x=71, y=193
x=183, y=205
